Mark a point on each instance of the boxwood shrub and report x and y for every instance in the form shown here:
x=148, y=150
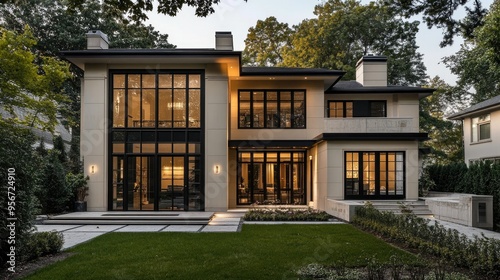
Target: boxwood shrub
x=286, y=214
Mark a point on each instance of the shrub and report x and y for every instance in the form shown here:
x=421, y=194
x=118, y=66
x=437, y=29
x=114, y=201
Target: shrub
x=286, y=214
x=480, y=255
x=41, y=244
x=53, y=192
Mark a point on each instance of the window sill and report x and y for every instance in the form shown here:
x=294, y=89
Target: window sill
x=481, y=141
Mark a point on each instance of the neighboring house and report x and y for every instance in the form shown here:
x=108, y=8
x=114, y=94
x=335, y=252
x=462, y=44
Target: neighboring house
x=191, y=129
x=481, y=130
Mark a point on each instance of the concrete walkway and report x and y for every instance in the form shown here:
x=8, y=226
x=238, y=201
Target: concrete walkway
x=76, y=234
x=221, y=222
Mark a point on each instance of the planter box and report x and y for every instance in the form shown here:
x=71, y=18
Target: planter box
x=81, y=206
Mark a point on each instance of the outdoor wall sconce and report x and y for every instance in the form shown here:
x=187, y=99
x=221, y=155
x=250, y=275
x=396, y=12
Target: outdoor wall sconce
x=92, y=169
x=216, y=169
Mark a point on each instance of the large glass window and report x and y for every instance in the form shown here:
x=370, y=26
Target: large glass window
x=272, y=109
x=271, y=178
x=156, y=100
x=357, y=108
x=374, y=175
x=480, y=128
x=156, y=159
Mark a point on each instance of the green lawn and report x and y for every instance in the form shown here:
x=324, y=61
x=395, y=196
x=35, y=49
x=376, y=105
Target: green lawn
x=258, y=252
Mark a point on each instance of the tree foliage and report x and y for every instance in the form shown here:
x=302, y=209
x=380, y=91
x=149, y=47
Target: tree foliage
x=442, y=14
x=340, y=34
x=265, y=42
x=477, y=63
x=29, y=81
x=137, y=9
x=16, y=152
x=445, y=136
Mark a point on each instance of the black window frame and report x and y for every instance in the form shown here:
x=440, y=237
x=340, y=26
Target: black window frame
x=156, y=135
x=278, y=101
x=355, y=112
x=377, y=161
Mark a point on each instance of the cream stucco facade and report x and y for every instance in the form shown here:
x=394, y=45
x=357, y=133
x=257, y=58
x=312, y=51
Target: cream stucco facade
x=296, y=156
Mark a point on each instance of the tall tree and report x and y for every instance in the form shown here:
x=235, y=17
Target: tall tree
x=344, y=31
x=137, y=9
x=29, y=81
x=445, y=136
x=477, y=63
x=265, y=42
x=442, y=14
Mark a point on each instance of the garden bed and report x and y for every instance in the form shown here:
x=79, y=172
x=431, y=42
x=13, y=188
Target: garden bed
x=287, y=214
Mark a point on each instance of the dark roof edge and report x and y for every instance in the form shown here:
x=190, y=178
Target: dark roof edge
x=306, y=72
x=465, y=113
x=147, y=52
x=269, y=143
x=373, y=136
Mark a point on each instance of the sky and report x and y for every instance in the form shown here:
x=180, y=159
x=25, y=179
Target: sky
x=188, y=31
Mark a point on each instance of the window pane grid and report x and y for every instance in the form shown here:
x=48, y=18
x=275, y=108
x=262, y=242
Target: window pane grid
x=382, y=174
x=272, y=109
x=156, y=100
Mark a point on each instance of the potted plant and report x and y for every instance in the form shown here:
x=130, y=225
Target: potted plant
x=78, y=184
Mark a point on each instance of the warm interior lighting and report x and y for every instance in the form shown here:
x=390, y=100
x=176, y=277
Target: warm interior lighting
x=176, y=105
x=310, y=157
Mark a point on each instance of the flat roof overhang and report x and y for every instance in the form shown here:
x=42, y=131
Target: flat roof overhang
x=155, y=57
x=329, y=77
x=372, y=136
x=422, y=92
x=270, y=144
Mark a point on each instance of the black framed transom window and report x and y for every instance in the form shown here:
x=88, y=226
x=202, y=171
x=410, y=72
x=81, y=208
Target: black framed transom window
x=357, y=108
x=272, y=109
x=374, y=175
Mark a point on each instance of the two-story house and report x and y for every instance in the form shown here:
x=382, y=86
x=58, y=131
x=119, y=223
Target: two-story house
x=192, y=129
x=481, y=138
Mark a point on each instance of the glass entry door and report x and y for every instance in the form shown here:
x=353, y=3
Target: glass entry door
x=271, y=178
x=173, y=183
x=141, y=183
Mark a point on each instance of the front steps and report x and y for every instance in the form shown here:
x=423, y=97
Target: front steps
x=131, y=218
x=419, y=208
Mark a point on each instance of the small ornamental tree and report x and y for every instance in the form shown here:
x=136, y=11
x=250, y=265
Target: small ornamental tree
x=53, y=193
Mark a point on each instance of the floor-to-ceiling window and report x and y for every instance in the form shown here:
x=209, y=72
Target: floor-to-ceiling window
x=374, y=175
x=156, y=133
x=271, y=177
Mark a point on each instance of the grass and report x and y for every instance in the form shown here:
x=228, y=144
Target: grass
x=258, y=252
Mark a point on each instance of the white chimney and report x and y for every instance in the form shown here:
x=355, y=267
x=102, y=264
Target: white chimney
x=371, y=71
x=223, y=41
x=96, y=40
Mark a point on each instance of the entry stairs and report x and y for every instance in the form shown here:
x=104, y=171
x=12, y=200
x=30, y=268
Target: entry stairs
x=419, y=208
x=131, y=218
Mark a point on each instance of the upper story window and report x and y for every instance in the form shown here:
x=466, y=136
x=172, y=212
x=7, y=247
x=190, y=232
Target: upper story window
x=160, y=100
x=480, y=128
x=272, y=109
x=357, y=108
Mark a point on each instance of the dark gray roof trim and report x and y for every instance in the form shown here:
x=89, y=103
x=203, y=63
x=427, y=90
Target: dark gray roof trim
x=373, y=136
x=131, y=52
x=355, y=87
x=270, y=143
x=285, y=71
x=492, y=102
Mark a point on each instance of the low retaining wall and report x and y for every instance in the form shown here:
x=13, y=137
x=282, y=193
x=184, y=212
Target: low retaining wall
x=343, y=210
x=465, y=209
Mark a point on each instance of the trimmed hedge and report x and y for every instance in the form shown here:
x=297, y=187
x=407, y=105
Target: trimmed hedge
x=286, y=214
x=482, y=178
x=480, y=255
